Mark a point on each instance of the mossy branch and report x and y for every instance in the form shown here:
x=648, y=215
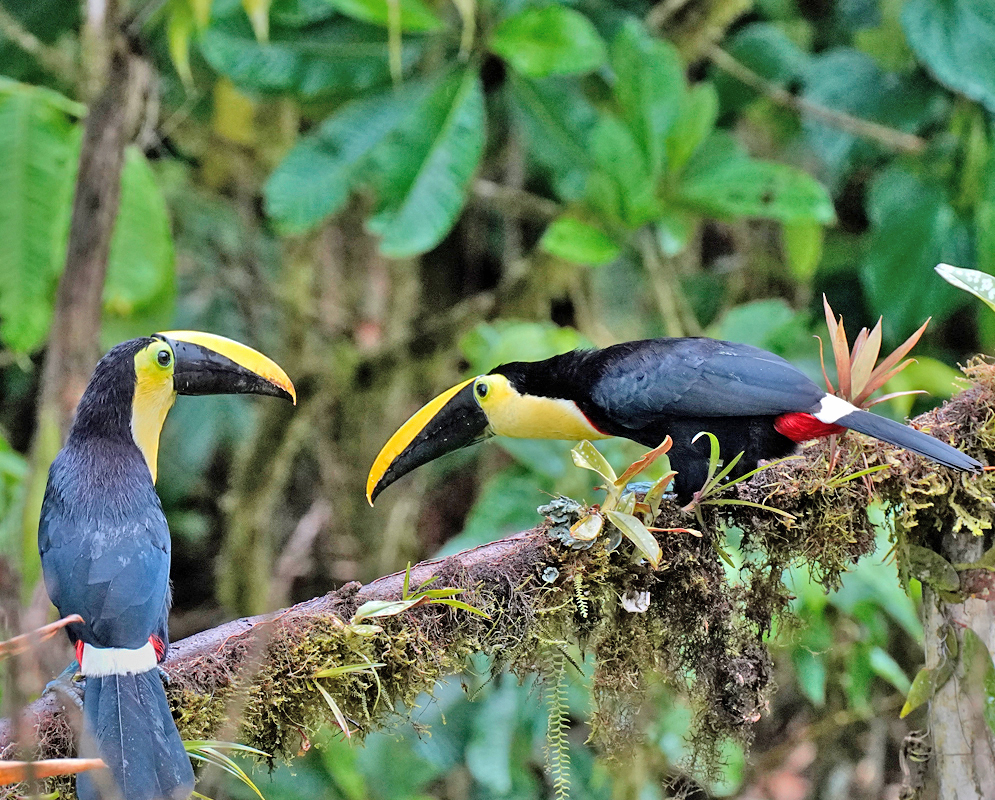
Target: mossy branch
x=253, y=679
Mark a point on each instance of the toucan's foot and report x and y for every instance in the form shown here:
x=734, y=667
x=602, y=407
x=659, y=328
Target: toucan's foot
x=67, y=687
x=164, y=676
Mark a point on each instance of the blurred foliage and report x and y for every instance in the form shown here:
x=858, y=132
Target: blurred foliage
x=388, y=196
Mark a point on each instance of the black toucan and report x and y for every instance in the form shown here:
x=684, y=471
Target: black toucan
x=755, y=402
x=105, y=548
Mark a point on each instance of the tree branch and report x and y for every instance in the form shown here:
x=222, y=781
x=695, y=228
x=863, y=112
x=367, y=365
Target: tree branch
x=51, y=59
x=253, y=679
x=882, y=134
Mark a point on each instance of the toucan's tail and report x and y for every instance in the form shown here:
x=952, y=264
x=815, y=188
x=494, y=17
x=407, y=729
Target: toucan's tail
x=904, y=436
x=127, y=721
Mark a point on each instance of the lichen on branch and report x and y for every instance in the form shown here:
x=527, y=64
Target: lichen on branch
x=702, y=630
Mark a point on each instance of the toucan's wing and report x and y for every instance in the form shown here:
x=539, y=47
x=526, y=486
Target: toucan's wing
x=112, y=572
x=639, y=382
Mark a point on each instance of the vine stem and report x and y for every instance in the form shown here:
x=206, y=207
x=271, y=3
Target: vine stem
x=882, y=134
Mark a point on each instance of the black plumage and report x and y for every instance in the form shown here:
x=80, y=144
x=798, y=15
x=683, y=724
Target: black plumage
x=754, y=402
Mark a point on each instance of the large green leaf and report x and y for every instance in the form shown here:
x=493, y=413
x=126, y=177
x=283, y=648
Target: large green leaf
x=623, y=188
x=327, y=58
x=956, y=40
x=425, y=169
x=551, y=40
x=35, y=169
x=414, y=15
x=913, y=227
x=556, y=119
x=649, y=86
x=580, y=241
x=723, y=181
x=695, y=120
x=504, y=340
x=317, y=175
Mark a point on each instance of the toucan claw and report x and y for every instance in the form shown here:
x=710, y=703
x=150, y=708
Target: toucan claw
x=67, y=686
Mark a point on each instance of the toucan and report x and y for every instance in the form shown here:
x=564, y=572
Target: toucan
x=105, y=548
x=754, y=402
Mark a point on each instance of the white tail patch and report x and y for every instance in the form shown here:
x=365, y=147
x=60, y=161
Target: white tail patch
x=832, y=408
x=98, y=662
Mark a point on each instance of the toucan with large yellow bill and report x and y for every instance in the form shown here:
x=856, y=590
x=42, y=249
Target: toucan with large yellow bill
x=755, y=403
x=105, y=549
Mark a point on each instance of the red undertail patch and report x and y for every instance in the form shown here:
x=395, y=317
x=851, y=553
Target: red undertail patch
x=800, y=427
x=159, y=647
x=79, y=652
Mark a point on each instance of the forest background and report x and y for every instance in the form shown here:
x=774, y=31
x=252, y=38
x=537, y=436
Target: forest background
x=389, y=197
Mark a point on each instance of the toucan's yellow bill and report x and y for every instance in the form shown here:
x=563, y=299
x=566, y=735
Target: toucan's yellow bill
x=242, y=355
x=450, y=421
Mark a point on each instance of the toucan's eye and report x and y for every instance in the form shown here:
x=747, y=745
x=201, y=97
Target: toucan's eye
x=164, y=357
x=481, y=389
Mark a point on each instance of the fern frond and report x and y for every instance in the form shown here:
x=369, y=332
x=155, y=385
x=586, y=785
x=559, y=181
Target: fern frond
x=557, y=745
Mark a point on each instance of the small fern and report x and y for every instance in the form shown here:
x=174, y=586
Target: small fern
x=580, y=597
x=557, y=746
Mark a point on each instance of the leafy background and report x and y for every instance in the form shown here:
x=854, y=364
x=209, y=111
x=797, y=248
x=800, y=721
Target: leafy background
x=387, y=197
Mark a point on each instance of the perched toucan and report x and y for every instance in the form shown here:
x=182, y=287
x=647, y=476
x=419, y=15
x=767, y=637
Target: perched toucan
x=105, y=548
x=753, y=401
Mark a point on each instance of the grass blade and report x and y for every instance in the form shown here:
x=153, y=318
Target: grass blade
x=336, y=711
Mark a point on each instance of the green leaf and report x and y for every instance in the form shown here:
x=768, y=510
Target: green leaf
x=649, y=86
x=586, y=456
x=623, y=187
x=36, y=176
x=756, y=323
x=549, y=40
x=810, y=669
x=979, y=674
x=556, y=119
x=932, y=569
x=179, y=30
x=416, y=17
x=637, y=533
x=803, y=247
x=258, y=13
x=955, y=39
x=980, y=284
x=382, y=608
x=674, y=229
x=886, y=667
x=913, y=227
x=340, y=719
x=504, y=340
x=922, y=689
x=425, y=170
x=723, y=181
x=209, y=751
x=573, y=239
x=506, y=504
x=346, y=669
x=334, y=58
x=696, y=118
x=489, y=749
x=140, y=266
x=315, y=178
